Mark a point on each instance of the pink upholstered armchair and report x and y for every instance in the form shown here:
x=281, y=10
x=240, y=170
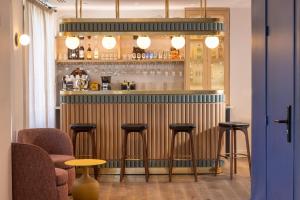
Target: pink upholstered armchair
x=34, y=176
x=56, y=143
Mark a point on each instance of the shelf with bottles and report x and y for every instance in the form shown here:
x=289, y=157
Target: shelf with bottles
x=120, y=61
x=91, y=50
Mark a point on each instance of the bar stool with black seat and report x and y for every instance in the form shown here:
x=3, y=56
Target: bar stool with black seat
x=134, y=128
x=90, y=130
x=233, y=127
x=184, y=128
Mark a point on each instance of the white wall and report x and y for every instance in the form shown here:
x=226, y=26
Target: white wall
x=11, y=87
x=123, y=13
x=240, y=67
x=17, y=72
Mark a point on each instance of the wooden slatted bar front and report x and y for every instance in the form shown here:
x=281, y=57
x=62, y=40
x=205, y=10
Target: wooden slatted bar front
x=109, y=116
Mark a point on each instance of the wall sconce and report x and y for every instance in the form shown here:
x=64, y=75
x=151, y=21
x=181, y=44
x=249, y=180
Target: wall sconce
x=23, y=39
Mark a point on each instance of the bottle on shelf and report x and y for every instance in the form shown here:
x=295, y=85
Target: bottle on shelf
x=81, y=53
x=76, y=53
x=73, y=54
x=81, y=48
x=89, y=53
x=70, y=54
x=96, y=50
x=175, y=54
x=96, y=54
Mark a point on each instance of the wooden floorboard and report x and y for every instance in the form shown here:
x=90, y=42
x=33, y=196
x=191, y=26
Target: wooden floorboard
x=183, y=187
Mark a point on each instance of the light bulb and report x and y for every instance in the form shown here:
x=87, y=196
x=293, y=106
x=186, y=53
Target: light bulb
x=109, y=42
x=143, y=42
x=212, y=42
x=72, y=42
x=24, y=40
x=178, y=42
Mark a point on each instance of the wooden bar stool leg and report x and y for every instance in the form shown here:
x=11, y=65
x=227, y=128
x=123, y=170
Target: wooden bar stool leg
x=248, y=149
x=193, y=156
x=74, y=136
x=235, y=152
x=145, y=156
x=221, y=132
x=231, y=153
x=124, y=154
x=171, y=156
x=94, y=152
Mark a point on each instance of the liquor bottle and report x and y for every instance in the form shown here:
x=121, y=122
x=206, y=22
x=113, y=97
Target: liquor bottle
x=70, y=54
x=81, y=48
x=96, y=54
x=73, y=54
x=95, y=41
x=81, y=52
x=89, y=53
x=77, y=53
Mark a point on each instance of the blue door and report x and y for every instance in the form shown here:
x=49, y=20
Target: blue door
x=280, y=99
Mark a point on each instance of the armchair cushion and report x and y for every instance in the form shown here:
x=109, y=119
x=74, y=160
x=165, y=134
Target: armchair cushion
x=59, y=160
x=61, y=176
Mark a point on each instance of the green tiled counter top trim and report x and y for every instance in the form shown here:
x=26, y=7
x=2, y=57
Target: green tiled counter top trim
x=185, y=97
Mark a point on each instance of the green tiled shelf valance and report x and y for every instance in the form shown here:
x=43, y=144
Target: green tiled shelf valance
x=144, y=98
x=182, y=25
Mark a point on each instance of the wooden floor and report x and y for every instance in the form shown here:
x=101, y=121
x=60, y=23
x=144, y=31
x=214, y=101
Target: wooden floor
x=183, y=187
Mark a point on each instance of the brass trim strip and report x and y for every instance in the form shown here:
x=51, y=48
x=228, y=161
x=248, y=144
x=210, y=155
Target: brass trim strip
x=155, y=171
x=91, y=62
x=117, y=9
x=80, y=9
x=76, y=8
x=205, y=8
x=205, y=33
x=144, y=92
x=145, y=20
x=167, y=8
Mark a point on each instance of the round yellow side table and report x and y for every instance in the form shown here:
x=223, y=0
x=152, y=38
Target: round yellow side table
x=85, y=187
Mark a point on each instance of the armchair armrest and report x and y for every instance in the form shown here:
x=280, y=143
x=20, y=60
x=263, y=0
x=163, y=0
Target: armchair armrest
x=33, y=173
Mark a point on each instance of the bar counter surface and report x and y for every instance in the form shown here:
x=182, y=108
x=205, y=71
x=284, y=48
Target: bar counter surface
x=110, y=109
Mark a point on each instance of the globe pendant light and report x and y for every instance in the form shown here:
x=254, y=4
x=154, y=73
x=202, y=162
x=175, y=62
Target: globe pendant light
x=143, y=42
x=212, y=42
x=72, y=42
x=178, y=42
x=109, y=42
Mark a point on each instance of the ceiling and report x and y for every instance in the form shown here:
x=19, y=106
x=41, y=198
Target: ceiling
x=145, y=4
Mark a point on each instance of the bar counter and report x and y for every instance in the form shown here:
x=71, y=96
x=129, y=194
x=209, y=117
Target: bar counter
x=110, y=109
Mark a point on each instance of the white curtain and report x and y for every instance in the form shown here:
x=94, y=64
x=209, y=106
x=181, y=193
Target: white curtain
x=41, y=67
